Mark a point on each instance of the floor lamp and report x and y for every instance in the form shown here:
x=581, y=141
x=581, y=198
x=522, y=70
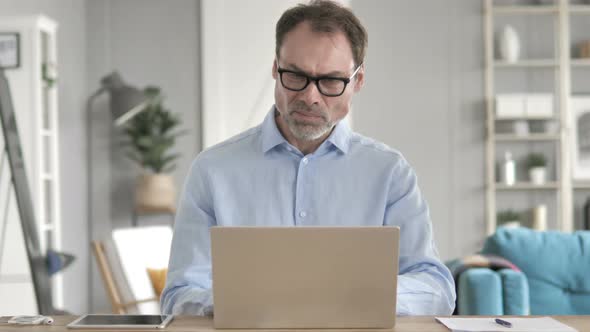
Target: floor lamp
x=125, y=102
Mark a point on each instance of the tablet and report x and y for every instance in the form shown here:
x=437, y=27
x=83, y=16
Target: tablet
x=121, y=322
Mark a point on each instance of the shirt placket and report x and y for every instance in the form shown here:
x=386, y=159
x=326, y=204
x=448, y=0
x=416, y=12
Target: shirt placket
x=302, y=213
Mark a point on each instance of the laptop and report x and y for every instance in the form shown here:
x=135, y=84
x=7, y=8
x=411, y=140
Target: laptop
x=304, y=277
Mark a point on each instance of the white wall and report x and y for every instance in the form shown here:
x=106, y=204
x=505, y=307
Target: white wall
x=238, y=51
x=424, y=96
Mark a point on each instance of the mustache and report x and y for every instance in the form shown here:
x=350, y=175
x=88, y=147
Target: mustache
x=303, y=108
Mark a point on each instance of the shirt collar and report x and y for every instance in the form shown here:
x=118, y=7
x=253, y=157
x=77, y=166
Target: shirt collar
x=271, y=136
x=340, y=136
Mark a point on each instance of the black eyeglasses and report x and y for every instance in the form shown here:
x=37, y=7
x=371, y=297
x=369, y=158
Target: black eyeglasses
x=327, y=85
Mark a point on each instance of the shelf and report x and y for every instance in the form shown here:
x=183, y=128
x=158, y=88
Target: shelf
x=540, y=63
x=527, y=63
x=532, y=10
x=581, y=185
x=580, y=62
x=529, y=118
x=580, y=9
x=528, y=138
x=527, y=186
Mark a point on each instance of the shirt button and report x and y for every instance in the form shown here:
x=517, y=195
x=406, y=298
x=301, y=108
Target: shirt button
x=302, y=214
x=305, y=161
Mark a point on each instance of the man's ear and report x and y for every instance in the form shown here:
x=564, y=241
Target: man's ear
x=360, y=79
x=274, y=69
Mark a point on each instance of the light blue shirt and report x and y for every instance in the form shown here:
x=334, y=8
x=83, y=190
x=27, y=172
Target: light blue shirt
x=258, y=178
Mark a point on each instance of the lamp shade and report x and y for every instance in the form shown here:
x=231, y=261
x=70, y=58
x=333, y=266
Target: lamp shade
x=126, y=101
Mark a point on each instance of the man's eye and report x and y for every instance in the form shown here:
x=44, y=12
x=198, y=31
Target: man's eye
x=294, y=77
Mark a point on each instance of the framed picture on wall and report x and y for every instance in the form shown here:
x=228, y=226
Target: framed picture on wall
x=580, y=125
x=9, y=50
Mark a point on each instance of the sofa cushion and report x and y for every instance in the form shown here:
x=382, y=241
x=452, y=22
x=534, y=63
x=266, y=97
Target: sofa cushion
x=557, y=266
x=515, y=291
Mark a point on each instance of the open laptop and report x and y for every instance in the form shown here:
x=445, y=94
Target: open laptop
x=304, y=277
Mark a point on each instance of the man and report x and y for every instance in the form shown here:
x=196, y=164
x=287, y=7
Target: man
x=304, y=166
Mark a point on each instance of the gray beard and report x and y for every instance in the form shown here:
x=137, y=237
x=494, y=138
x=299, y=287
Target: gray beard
x=306, y=132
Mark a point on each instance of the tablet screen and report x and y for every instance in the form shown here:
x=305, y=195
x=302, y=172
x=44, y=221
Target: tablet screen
x=121, y=320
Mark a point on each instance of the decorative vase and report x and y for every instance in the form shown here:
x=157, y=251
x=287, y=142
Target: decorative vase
x=155, y=193
x=538, y=175
x=508, y=170
x=509, y=44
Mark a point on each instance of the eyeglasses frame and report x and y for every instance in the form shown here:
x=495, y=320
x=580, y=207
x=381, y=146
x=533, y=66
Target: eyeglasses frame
x=317, y=79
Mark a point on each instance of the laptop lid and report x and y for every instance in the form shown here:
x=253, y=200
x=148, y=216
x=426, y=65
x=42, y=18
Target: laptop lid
x=304, y=277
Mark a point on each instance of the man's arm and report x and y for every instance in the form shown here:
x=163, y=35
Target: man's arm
x=425, y=285
x=188, y=284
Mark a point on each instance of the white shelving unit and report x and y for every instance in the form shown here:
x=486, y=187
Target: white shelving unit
x=579, y=9
x=526, y=63
x=524, y=9
x=581, y=185
x=518, y=186
x=528, y=138
x=580, y=63
x=561, y=65
x=35, y=101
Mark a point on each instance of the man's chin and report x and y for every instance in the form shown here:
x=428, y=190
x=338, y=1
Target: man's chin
x=307, y=135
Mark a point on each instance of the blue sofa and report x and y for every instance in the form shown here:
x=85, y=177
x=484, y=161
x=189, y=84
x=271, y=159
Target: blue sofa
x=555, y=277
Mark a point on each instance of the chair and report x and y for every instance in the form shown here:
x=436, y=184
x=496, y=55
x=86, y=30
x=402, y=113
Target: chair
x=554, y=278
x=124, y=260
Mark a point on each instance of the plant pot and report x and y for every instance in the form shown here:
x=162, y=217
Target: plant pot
x=155, y=193
x=510, y=224
x=538, y=175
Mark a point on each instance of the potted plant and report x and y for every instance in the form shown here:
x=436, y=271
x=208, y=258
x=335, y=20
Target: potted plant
x=537, y=167
x=151, y=135
x=508, y=218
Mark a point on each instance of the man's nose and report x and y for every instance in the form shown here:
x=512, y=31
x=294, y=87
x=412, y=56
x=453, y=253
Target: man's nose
x=311, y=94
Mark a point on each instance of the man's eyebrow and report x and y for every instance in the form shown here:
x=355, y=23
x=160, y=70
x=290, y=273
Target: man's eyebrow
x=335, y=73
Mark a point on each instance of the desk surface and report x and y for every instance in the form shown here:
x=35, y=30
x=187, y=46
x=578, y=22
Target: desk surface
x=202, y=324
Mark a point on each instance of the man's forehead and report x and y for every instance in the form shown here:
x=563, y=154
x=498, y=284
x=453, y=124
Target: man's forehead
x=309, y=50
x=320, y=70
x=316, y=64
